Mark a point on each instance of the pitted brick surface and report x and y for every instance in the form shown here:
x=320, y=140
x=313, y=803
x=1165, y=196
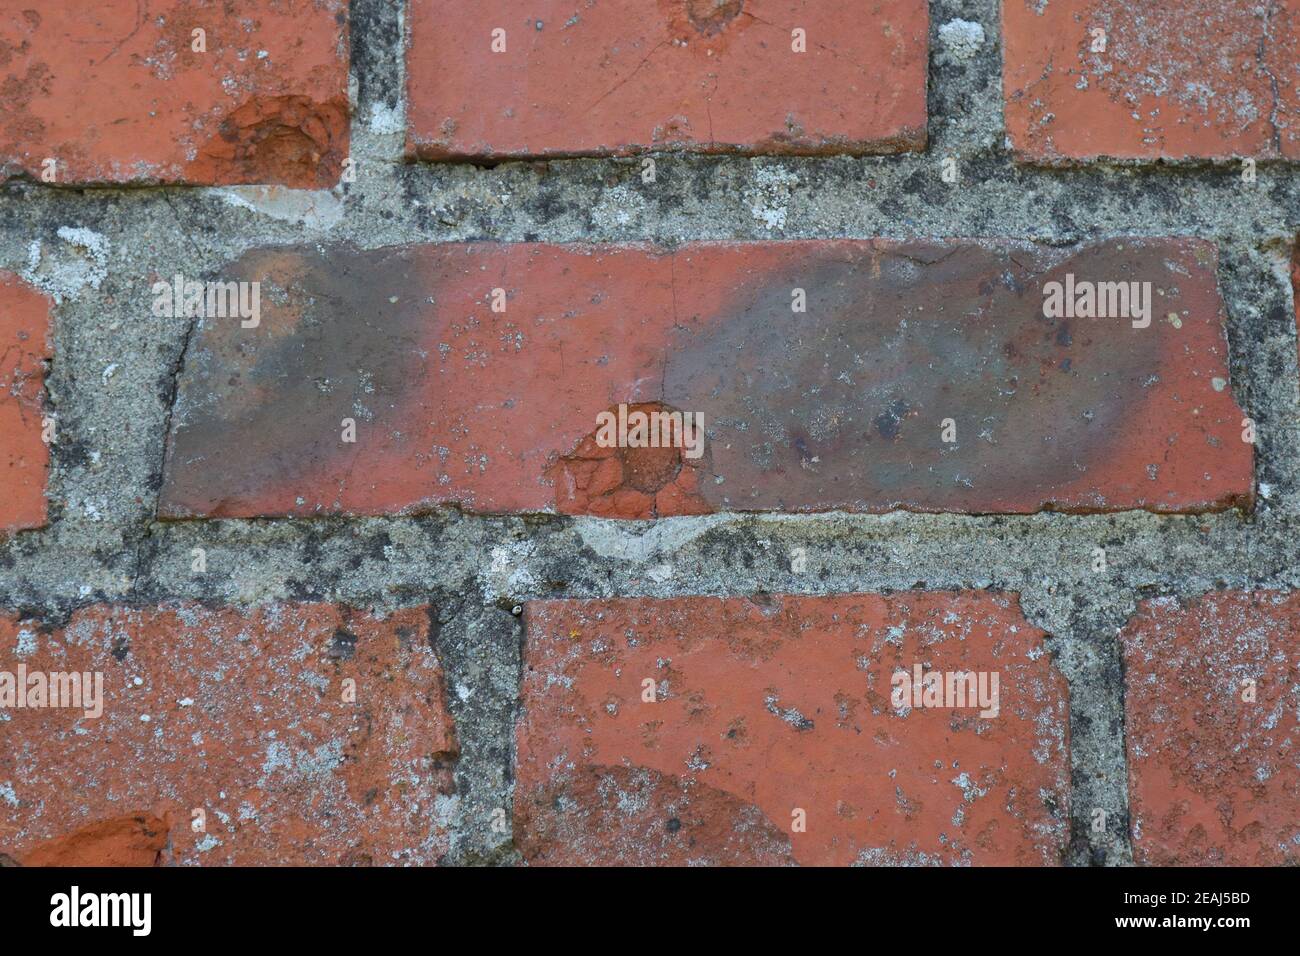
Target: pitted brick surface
x=1167, y=79
x=1213, y=687
x=24, y=454
x=246, y=715
x=118, y=91
x=762, y=709
x=624, y=76
x=477, y=486
x=842, y=406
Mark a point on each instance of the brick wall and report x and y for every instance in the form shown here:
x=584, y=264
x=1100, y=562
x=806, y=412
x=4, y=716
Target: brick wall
x=326, y=329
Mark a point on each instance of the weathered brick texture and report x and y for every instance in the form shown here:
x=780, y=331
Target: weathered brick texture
x=763, y=708
x=24, y=454
x=627, y=75
x=962, y=325
x=118, y=92
x=1213, y=686
x=841, y=406
x=244, y=714
x=1162, y=79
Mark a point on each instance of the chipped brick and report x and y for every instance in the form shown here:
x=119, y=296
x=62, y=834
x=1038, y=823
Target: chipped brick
x=240, y=713
x=781, y=703
x=116, y=93
x=136, y=840
x=841, y=407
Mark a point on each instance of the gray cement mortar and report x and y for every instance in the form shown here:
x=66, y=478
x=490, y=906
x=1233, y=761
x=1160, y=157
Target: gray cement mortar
x=114, y=371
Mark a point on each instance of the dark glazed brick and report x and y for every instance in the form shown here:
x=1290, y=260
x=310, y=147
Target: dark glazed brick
x=840, y=407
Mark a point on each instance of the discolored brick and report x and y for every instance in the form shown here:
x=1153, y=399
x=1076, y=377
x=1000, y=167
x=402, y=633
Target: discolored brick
x=1212, y=690
x=768, y=706
x=243, y=714
x=843, y=406
x=1177, y=79
x=24, y=455
x=622, y=76
x=116, y=92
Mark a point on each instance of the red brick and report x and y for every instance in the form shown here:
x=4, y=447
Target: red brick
x=1213, y=778
x=24, y=455
x=780, y=703
x=1179, y=79
x=840, y=407
x=114, y=92
x=627, y=75
x=247, y=721
x=139, y=840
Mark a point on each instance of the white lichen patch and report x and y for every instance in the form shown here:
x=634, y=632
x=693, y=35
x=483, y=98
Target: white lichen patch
x=769, y=196
x=63, y=271
x=961, y=39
